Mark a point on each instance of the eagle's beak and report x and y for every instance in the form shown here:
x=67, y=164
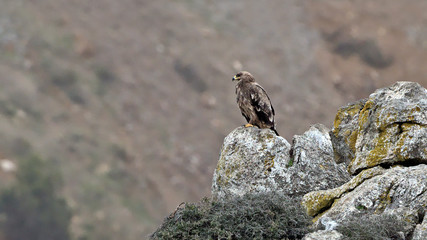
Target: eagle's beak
x=234, y=78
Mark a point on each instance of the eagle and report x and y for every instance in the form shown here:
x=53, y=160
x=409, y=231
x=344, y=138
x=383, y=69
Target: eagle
x=254, y=102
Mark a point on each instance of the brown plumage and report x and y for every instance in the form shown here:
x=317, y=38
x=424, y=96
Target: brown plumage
x=254, y=102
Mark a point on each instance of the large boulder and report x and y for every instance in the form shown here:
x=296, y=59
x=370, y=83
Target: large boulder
x=368, y=176
x=317, y=201
x=399, y=191
x=314, y=167
x=383, y=140
x=344, y=133
x=388, y=128
x=254, y=160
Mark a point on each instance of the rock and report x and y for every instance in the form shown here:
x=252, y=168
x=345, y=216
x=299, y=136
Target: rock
x=345, y=130
x=399, y=191
x=365, y=178
x=313, y=165
x=252, y=160
x=383, y=139
x=420, y=232
x=386, y=128
x=392, y=128
x=255, y=160
x=317, y=201
x=324, y=235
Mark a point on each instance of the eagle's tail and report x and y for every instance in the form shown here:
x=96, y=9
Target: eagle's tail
x=275, y=131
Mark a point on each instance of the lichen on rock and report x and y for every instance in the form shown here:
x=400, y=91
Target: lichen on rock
x=392, y=128
x=399, y=191
x=387, y=128
x=380, y=141
x=251, y=161
x=420, y=232
x=383, y=139
x=344, y=133
x=324, y=235
x=317, y=201
x=255, y=160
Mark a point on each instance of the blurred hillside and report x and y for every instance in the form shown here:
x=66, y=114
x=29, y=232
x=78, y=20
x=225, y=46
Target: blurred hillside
x=130, y=100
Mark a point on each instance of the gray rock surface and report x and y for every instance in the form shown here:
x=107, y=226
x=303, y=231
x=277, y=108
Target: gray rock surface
x=317, y=201
x=252, y=160
x=392, y=127
x=255, y=160
x=388, y=127
x=324, y=235
x=381, y=141
x=399, y=191
x=420, y=232
x=313, y=166
x=344, y=132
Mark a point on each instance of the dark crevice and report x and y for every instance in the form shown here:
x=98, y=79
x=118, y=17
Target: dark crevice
x=401, y=123
x=400, y=129
x=409, y=162
x=421, y=215
x=387, y=165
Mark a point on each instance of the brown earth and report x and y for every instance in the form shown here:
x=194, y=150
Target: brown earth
x=132, y=99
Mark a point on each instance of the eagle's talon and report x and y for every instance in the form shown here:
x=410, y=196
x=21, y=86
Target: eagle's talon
x=249, y=125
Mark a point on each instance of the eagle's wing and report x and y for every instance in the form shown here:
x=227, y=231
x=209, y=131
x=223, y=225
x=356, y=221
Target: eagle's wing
x=243, y=103
x=262, y=104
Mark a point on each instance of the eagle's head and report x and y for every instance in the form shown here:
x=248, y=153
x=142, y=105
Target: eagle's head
x=243, y=75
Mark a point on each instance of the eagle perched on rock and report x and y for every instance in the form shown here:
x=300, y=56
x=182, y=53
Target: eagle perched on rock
x=254, y=102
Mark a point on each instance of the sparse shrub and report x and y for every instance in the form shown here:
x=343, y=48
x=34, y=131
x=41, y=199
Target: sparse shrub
x=21, y=147
x=119, y=152
x=373, y=227
x=31, y=207
x=67, y=81
x=105, y=75
x=105, y=78
x=261, y=216
x=7, y=109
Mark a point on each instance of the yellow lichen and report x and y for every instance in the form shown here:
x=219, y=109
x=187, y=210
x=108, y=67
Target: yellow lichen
x=351, y=141
x=268, y=164
x=364, y=113
x=317, y=201
x=382, y=145
x=225, y=171
x=385, y=200
x=343, y=113
x=349, y=136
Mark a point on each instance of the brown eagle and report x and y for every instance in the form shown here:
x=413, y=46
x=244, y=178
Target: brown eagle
x=254, y=102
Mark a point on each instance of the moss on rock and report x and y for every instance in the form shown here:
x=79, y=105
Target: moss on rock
x=317, y=201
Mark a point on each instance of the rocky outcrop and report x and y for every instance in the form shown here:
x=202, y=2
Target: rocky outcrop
x=344, y=133
x=400, y=191
x=317, y=201
x=313, y=166
x=420, y=231
x=254, y=160
x=383, y=139
x=374, y=161
x=388, y=128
